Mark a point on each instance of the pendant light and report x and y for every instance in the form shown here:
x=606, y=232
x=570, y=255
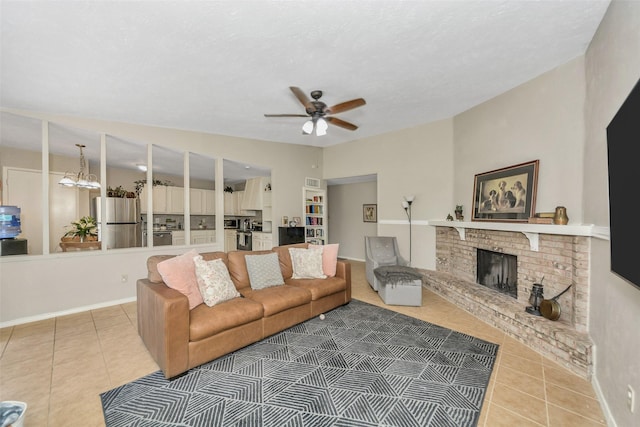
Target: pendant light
x=80, y=179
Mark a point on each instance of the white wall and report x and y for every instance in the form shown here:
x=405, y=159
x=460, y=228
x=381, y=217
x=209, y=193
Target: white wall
x=346, y=226
x=416, y=161
x=612, y=66
x=541, y=119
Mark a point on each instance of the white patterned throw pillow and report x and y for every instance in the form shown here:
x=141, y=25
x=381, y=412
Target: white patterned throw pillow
x=307, y=263
x=264, y=271
x=214, y=281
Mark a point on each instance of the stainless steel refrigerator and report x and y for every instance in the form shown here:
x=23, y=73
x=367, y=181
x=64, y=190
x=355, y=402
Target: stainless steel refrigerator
x=122, y=227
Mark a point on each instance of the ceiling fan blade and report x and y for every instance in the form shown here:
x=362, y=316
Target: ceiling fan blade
x=345, y=106
x=341, y=123
x=286, y=115
x=304, y=100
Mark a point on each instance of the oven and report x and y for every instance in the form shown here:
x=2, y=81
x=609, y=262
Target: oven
x=243, y=240
x=160, y=238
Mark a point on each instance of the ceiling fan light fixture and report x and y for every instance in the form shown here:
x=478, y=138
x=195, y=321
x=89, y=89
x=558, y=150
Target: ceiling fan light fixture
x=317, y=110
x=321, y=127
x=307, y=127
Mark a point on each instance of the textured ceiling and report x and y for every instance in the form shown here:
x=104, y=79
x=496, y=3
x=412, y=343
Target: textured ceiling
x=218, y=66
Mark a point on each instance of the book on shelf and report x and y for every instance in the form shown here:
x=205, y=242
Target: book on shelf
x=314, y=209
x=312, y=221
x=316, y=241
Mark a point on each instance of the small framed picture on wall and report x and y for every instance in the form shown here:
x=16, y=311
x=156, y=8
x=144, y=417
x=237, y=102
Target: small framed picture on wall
x=370, y=213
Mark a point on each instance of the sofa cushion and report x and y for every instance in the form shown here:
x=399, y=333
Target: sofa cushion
x=237, y=265
x=210, y=256
x=285, y=258
x=179, y=273
x=278, y=298
x=264, y=271
x=329, y=257
x=152, y=263
x=306, y=263
x=213, y=281
x=320, y=288
x=205, y=321
x=152, y=267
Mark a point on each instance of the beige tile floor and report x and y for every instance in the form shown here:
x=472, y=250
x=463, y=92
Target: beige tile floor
x=59, y=366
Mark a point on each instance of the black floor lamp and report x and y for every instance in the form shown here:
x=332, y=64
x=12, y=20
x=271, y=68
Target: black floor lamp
x=408, y=200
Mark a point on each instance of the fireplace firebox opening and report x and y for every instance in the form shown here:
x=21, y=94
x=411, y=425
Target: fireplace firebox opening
x=498, y=271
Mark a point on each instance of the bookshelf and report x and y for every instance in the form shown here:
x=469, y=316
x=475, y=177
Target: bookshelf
x=315, y=219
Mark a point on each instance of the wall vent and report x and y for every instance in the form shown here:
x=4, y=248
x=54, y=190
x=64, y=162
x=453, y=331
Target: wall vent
x=312, y=182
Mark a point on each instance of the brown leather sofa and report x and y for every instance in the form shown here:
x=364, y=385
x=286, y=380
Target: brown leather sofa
x=180, y=339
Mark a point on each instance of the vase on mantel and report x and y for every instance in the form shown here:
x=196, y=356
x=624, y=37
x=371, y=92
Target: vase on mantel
x=560, y=216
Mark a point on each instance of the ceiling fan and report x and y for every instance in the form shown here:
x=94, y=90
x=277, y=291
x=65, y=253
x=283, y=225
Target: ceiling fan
x=319, y=113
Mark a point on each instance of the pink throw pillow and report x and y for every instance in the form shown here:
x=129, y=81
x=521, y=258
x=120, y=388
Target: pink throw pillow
x=179, y=273
x=329, y=258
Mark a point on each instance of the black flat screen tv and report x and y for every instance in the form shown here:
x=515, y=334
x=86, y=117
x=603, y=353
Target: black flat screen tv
x=623, y=143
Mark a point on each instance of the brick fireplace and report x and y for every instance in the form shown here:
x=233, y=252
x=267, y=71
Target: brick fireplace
x=562, y=259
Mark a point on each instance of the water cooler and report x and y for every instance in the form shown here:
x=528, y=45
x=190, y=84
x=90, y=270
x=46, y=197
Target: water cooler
x=9, y=230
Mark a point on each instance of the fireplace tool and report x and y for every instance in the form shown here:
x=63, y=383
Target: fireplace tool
x=535, y=298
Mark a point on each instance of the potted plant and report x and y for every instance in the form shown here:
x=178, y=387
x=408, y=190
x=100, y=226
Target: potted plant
x=142, y=182
x=120, y=192
x=83, y=229
x=458, y=212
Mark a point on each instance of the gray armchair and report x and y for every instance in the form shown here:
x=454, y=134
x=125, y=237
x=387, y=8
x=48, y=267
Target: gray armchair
x=379, y=251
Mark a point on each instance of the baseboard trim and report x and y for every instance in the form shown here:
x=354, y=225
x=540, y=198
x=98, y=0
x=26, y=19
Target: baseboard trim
x=74, y=310
x=606, y=411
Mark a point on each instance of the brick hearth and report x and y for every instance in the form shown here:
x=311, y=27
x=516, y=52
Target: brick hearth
x=563, y=260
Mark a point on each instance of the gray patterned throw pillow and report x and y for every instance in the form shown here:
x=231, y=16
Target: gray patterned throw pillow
x=264, y=271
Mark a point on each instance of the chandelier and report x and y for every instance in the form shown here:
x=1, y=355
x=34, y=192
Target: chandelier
x=80, y=179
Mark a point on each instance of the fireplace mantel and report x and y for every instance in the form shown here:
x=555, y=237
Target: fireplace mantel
x=531, y=231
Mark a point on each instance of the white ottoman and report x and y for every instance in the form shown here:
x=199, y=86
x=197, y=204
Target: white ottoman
x=399, y=285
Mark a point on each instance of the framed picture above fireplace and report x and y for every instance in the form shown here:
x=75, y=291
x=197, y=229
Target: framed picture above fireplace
x=507, y=194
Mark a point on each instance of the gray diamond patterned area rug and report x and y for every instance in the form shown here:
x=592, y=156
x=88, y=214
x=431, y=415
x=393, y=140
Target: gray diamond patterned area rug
x=363, y=365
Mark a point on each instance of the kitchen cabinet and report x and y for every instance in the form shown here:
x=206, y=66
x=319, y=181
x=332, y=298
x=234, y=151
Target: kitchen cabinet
x=198, y=237
x=175, y=200
x=267, y=210
x=201, y=237
x=159, y=199
x=166, y=199
x=230, y=243
x=315, y=220
x=233, y=204
x=261, y=241
x=230, y=201
x=202, y=202
x=177, y=238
